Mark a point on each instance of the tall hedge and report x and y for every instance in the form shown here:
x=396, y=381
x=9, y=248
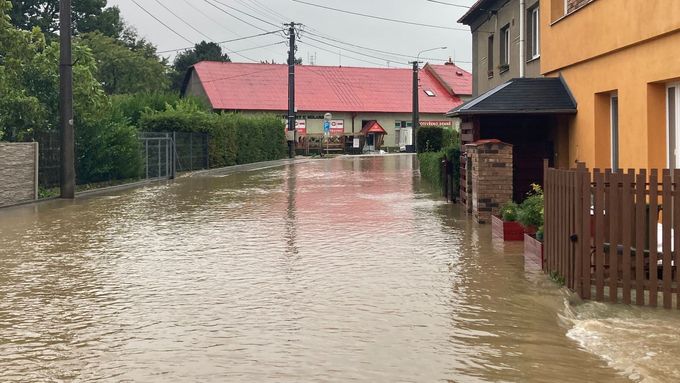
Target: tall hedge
x=234, y=138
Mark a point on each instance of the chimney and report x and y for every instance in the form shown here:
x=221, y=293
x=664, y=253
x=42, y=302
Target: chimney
x=450, y=62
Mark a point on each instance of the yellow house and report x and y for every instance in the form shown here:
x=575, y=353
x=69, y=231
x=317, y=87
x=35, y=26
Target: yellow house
x=621, y=61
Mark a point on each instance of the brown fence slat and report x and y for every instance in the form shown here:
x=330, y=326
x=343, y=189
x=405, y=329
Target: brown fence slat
x=653, y=219
x=676, y=236
x=578, y=230
x=599, y=235
x=613, y=214
x=640, y=231
x=627, y=208
x=586, y=235
x=666, y=239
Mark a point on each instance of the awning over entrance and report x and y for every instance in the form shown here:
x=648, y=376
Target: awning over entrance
x=543, y=95
x=373, y=127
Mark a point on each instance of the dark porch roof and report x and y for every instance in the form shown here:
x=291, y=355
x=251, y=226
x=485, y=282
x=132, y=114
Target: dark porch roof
x=543, y=95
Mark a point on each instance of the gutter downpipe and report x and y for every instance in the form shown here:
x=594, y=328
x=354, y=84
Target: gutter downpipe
x=522, y=38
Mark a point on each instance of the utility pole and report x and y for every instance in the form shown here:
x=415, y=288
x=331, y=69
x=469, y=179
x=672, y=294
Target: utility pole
x=415, y=119
x=291, y=91
x=68, y=173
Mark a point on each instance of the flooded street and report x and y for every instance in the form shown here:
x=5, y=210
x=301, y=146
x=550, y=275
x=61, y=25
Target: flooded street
x=349, y=269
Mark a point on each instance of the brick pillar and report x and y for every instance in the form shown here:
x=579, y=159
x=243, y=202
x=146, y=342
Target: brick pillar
x=491, y=162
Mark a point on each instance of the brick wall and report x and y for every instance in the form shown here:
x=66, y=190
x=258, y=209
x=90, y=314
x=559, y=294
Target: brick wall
x=18, y=178
x=491, y=162
x=573, y=5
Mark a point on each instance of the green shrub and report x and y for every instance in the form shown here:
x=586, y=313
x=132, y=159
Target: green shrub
x=509, y=211
x=234, y=138
x=531, y=209
x=430, y=166
x=107, y=150
x=430, y=139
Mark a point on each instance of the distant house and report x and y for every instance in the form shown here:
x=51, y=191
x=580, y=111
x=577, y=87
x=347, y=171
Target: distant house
x=496, y=54
x=356, y=97
x=621, y=60
x=512, y=102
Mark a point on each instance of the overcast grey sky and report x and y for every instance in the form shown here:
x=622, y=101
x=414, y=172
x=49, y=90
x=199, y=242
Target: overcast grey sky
x=202, y=20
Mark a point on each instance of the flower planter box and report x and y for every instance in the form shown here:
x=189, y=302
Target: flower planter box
x=533, y=252
x=508, y=231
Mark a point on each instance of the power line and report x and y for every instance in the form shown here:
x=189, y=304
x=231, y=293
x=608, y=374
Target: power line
x=246, y=13
x=376, y=50
x=450, y=4
x=234, y=16
x=258, y=47
x=162, y=23
x=351, y=57
x=271, y=10
x=380, y=17
x=183, y=21
x=349, y=50
x=222, y=42
x=189, y=3
x=259, y=11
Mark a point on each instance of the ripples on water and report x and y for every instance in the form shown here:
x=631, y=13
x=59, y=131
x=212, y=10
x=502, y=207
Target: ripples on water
x=335, y=270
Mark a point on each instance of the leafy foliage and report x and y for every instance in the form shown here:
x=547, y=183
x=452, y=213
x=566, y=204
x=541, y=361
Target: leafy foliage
x=124, y=70
x=202, y=51
x=509, y=211
x=87, y=15
x=530, y=212
x=430, y=166
x=234, y=138
x=434, y=139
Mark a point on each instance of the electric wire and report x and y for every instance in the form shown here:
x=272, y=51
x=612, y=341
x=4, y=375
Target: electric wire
x=450, y=4
x=353, y=51
x=374, y=49
x=380, y=17
x=351, y=57
x=271, y=10
x=162, y=23
x=189, y=3
x=259, y=12
x=234, y=16
x=223, y=42
x=183, y=21
x=245, y=13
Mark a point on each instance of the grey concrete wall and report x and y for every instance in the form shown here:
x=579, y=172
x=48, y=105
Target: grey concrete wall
x=18, y=172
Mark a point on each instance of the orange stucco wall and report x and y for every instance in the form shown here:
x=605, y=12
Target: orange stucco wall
x=626, y=46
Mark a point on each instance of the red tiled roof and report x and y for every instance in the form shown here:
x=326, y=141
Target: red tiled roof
x=457, y=79
x=240, y=86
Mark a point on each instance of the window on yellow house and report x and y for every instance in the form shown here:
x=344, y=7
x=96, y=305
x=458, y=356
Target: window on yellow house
x=614, y=132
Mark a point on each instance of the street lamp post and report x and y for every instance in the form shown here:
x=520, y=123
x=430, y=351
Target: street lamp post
x=416, y=112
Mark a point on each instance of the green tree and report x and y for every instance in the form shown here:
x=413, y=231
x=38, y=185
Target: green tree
x=202, y=51
x=123, y=70
x=88, y=16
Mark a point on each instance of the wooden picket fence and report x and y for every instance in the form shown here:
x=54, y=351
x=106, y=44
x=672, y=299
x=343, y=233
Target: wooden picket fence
x=612, y=235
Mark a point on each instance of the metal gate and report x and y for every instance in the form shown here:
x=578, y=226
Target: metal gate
x=158, y=152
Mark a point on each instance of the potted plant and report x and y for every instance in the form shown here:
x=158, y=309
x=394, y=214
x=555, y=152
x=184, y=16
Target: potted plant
x=506, y=226
x=530, y=215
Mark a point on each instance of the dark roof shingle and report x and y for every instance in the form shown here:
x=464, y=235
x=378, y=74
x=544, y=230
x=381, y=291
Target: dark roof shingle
x=543, y=95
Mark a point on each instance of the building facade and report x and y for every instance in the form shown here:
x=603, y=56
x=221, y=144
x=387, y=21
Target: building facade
x=496, y=40
x=354, y=96
x=620, y=59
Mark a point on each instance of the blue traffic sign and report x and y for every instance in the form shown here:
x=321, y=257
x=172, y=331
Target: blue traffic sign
x=326, y=127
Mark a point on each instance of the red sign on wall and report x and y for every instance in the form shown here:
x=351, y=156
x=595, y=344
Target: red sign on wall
x=337, y=127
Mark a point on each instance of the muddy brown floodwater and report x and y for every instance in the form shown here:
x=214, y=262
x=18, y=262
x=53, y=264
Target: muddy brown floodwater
x=341, y=270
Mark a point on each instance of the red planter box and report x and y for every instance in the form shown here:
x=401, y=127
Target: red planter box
x=533, y=252
x=508, y=231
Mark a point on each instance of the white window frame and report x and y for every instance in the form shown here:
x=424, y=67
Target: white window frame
x=535, y=33
x=506, y=44
x=614, y=131
x=673, y=150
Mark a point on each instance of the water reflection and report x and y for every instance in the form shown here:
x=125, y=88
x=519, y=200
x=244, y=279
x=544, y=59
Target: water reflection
x=333, y=270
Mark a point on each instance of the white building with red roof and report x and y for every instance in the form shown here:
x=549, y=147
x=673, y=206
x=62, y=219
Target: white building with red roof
x=355, y=96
